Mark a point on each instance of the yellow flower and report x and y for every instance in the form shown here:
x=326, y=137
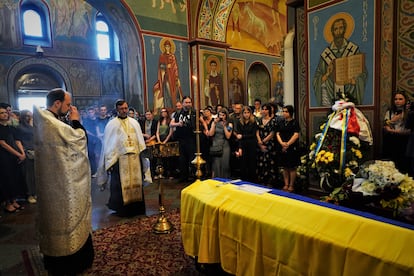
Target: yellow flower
x=313, y=146
x=357, y=153
x=348, y=172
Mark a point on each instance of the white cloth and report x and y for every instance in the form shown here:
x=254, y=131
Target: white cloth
x=365, y=133
x=123, y=142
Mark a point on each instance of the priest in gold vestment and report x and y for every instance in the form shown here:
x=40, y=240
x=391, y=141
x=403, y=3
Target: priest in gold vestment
x=63, y=183
x=122, y=162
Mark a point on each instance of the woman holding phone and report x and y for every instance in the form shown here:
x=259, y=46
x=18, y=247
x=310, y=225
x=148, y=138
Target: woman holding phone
x=395, y=133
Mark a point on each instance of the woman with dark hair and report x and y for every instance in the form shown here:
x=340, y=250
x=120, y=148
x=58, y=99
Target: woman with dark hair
x=245, y=130
x=221, y=131
x=288, y=155
x=395, y=132
x=11, y=155
x=26, y=136
x=266, y=153
x=164, y=134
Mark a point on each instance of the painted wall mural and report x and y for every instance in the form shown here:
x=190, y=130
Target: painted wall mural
x=277, y=83
x=9, y=24
x=155, y=15
x=258, y=26
x=213, y=71
x=258, y=82
x=167, y=71
x=72, y=18
x=237, y=81
x=341, y=53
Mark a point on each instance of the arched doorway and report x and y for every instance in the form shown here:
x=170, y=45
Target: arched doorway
x=32, y=87
x=258, y=83
x=30, y=79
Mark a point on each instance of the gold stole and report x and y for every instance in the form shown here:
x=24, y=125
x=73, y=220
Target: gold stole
x=130, y=167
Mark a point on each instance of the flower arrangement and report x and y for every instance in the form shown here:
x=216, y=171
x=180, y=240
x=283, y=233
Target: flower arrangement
x=333, y=163
x=382, y=179
x=338, y=150
x=378, y=184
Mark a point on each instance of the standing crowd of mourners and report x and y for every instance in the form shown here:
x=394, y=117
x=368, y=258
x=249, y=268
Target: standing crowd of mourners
x=16, y=158
x=117, y=149
x=259, y=144
x=255, y=143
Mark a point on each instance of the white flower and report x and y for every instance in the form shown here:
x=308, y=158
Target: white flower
x=355, y=140
x=318, y=135
x=383, y=173
x=368, y=187
x=311, y=154
x=353, y=164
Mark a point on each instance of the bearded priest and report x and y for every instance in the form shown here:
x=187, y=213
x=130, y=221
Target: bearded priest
x=123, y=160
x=63, y=182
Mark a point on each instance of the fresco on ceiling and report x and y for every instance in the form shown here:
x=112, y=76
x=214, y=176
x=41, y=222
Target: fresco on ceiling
x=71, y=18
x=156, y=15
x=258, y=25
x=206, y=17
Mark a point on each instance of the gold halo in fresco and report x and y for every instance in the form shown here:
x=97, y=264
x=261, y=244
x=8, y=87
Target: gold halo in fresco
x=162, y=43
x=216, y=59
x=349, y=28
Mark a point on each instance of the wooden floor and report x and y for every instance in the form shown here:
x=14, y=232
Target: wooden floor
x=17, y=230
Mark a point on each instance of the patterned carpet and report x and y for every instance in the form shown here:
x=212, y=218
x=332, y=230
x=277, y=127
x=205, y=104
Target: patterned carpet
x=131, y=248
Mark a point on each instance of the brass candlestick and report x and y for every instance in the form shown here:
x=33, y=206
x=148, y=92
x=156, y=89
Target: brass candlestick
x=163, y=225
x=197, y=161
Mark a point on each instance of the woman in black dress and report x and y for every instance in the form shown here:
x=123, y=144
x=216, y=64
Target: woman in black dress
x=266, y=153
x=11, y=155
x=288, y=139
x=245, y=131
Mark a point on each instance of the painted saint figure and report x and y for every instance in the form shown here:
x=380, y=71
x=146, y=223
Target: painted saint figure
x=236, y=88
x=167, y=89
x=324, y=83
x=213, y=88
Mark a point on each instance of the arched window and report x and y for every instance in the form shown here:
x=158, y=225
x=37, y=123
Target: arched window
x=107, y=43
x=35, y=24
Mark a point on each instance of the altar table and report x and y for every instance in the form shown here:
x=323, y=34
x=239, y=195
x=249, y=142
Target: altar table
x=268, y=234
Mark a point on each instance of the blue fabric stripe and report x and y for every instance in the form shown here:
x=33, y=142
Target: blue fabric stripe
x=325, y=204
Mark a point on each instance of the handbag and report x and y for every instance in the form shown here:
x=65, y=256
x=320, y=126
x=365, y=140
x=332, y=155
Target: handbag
x=216, y=150
x=30, y=154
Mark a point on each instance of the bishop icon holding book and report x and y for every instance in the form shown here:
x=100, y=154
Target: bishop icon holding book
x=341, y=67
